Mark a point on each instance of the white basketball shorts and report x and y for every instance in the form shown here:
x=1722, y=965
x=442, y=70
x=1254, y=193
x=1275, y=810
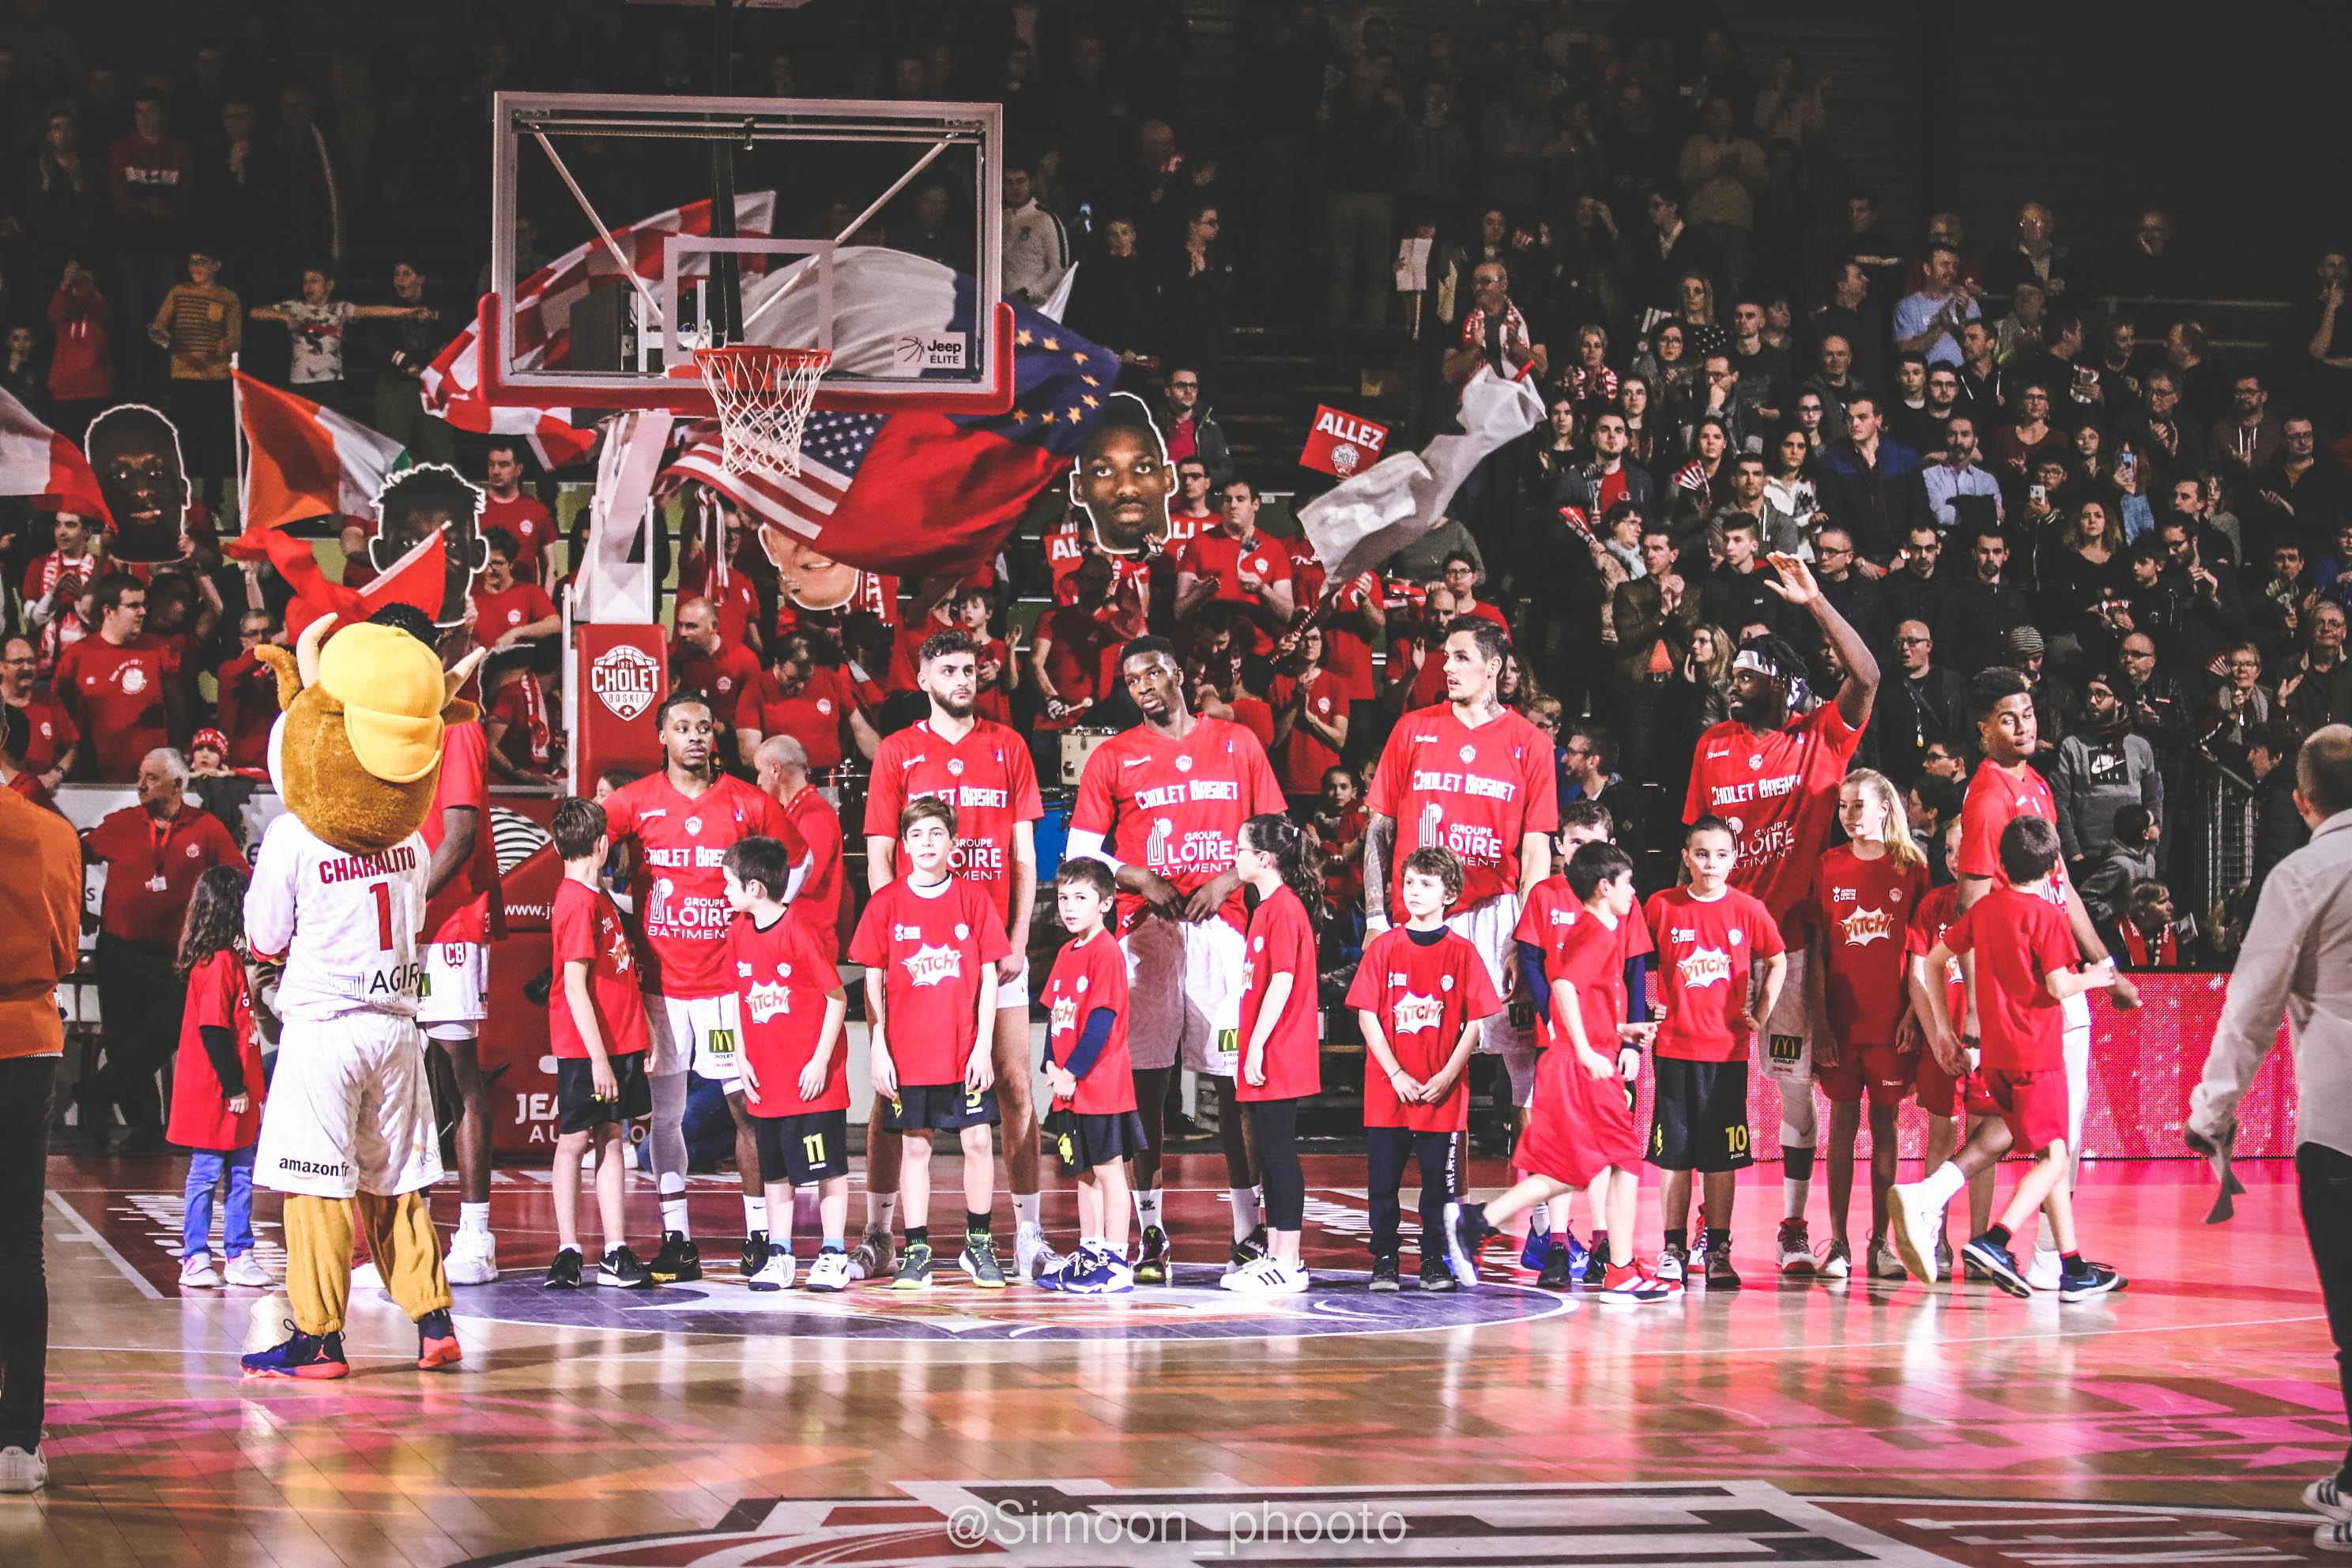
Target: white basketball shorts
x=350, y=1109
x=457, y=990
x=1184, y=994
x=1493, y=929
x=693, y=1034
x=1788, y=1044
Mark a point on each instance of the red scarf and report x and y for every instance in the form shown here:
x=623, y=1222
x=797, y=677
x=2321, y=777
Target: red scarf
x=2167, y=948
x=534, y=718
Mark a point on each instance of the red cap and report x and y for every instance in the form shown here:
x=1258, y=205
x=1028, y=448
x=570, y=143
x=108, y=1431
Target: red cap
x=213, y=738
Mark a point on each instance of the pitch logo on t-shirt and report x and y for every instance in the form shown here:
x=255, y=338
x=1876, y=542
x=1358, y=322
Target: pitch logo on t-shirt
x=1415, y=1014
x=1065, y=1015
x=1865, y=926
x=934, y=965
x=768, y=999
x=1702, y=967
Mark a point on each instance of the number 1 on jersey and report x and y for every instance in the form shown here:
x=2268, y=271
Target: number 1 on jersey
x=383, y=892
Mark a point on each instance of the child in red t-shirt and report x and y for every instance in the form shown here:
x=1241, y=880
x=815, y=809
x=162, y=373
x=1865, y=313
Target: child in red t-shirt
x=2025, y=953
x=1863, y=895
x=929, y=942
x=216, y=1087
x=1946, y=1096
x=1093, y=1126
x=1580, y=1130
x=1419, y=992
x=596, y=1028
x=1281, y=1030
x=790, y=1008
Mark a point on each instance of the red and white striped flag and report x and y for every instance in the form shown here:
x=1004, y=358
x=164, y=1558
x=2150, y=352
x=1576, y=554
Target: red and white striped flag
x=303, y=460
x=1692, y=476
x=35, y=460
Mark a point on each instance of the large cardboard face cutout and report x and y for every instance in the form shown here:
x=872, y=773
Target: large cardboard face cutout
x=135, y=452
x=1123, y=480
x=809, y=578
x=422, y=501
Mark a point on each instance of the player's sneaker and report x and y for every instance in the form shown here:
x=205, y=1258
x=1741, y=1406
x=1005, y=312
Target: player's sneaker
x=245, y=1272
x=301, y=1355
x=2043, y=1273
x=563, y=1274
x=1969, y=1267
x=473, y=1258
x=23, y=1469
x=436, y=1340
x=1437, y=1274
x=1998, y=1263
x=755, y=1254
x=1673, y=1264
x=979, y=1261
x=1918, y=1222
x=197, y=1272
x=2327, y=1495
x=831, y=1271
x=1092, y=1273
x=1030, y=1253
x=2336, y=1535
x=1466, y=1231
x=1595, y=1268
x=1720, y=1274
x=1267, y=1277
x=1630, y=1285
x=1560, y=1270
x=1536, y=1251
x=1796, y=1248
x=1944, y=1261
x=1153, y=1266
x=914, y=1268
x=620, y=1269
x=2090, y=1280
x=1247, y=1250
x=1884, y=1265
x=1386, y=1275
x=872, y=1256
x=679, y=1262
x=778, y=1271
x=1836, y=1262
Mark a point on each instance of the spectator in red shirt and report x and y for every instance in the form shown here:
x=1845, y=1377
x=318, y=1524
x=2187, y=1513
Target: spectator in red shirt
x=121, y=686
x=508, y=612
x=810, y=701
x=153, y=852
x=738, y=599
x=932, y=610
x=1238, y=565
x=517, y=719
x=53, y=582
x=994, y=699
x=1462, y=582
x=525, y=517
x=1310, y=719
x=182, y=615
x=50, y=734
x=248, y=701
x=782, y=773
x=81, y=372
x=1195, y=514
x=700, y=660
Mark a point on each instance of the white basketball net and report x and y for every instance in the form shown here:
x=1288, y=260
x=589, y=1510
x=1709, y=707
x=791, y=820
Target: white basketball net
x=763, y=396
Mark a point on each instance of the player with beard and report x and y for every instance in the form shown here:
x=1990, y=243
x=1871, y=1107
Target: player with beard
x=983, y=769
x=1774, y=779
x=1473, y=777
x=678, y=826
x=1162, y=805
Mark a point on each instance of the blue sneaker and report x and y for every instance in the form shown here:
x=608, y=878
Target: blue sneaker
x=2000, y=1263
x=1094, y=1274
x=1537, y=1248
x=1057, y=1276
x=1466, y=1231
x=1579, y=1256
x=303, y=1355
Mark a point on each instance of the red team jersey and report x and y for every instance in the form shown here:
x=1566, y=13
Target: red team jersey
x=1424, y=994
x=495, y=614
x=52, y=733
x=116, y=696
x=1263, y=558
x=1302, y=758
x=1281, y=942
x=988, y=778
x=2018, y=940
x=679, y=889
x=818, y=906
x=930, y=949
x=585, y=927
x=460, y=911
x=1554, y=912
x=1175, y=807
x=1996, y=799
x=1859, y=914
x=534, y=526
x=1780, y=794
x=781, y=978
x=1086, y=975
x=1475, y=792
x=729, y=680
x=1706, y=950
x=814, y=715
x=201, y=1118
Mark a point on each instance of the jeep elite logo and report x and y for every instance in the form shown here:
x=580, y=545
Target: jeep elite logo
x=627, y=679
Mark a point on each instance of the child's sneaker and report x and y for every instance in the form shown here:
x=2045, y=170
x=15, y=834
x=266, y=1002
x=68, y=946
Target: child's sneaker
x=1248, y=1249
x=679, y=1262
x=2043, y=1272
x=1030, y=1254
x=1998, y=1263
x=979, y=1261
x=1796, y=1245
x=23, y=1469
x=620, y=1269
x=1386, y=1276
x=302, y=1355
x=1837, y=1261
x=1267, y=1277
x=1884, y=1265
x=778, y=1273
x=1437, y=1275
x=1720, y=1274
x=1560, y=1270
x=197, y=1272
x=1673, y=1264
x=1917, y=1224
x=914, y=1268
x=754, y=1257
x=1153, y=1266
x=1466, y=1231
x=2328, y=1496
x=2336, y=1535
x=2090, y=1280
x=1629, y=1285
x=563, y=1274
x=436, y=1340
x=872, y=1256
x=244, y=1271
x=831, y=1271
x=1536, y=1251
x=1945, y=1267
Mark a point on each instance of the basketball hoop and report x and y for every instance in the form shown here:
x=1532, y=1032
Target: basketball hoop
x=763, y=396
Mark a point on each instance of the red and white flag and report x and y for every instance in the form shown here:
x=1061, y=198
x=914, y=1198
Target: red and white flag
x=303, y=460
x=35, y=460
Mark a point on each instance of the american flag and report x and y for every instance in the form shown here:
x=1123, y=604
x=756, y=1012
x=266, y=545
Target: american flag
x=834, y=447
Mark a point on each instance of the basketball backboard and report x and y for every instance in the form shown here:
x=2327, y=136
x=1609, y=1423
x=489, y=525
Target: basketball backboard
x=867, y=228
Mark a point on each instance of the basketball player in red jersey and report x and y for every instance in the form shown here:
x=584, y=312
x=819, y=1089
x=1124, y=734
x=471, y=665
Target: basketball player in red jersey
x=1163, y=804
x=1774, y=777
x=983, y=769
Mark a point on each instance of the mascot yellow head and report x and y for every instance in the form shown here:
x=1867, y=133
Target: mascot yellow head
x=356, y=752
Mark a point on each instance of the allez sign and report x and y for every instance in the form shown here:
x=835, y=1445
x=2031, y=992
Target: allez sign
x=1341, y=443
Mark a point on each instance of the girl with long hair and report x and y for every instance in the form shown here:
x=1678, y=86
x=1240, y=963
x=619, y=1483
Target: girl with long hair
x=1864, y=893
x=1636, y=396
x=217, y=1089
x=1702, y=334
x=1281, y=1063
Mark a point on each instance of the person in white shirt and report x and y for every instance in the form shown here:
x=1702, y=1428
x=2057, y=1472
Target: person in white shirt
x=1037, y=246
x=1957, y=474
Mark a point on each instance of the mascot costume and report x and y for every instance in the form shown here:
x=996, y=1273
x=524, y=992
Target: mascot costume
x=338, y=892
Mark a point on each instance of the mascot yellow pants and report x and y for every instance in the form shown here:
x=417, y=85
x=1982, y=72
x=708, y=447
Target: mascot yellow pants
x=399, y=1237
